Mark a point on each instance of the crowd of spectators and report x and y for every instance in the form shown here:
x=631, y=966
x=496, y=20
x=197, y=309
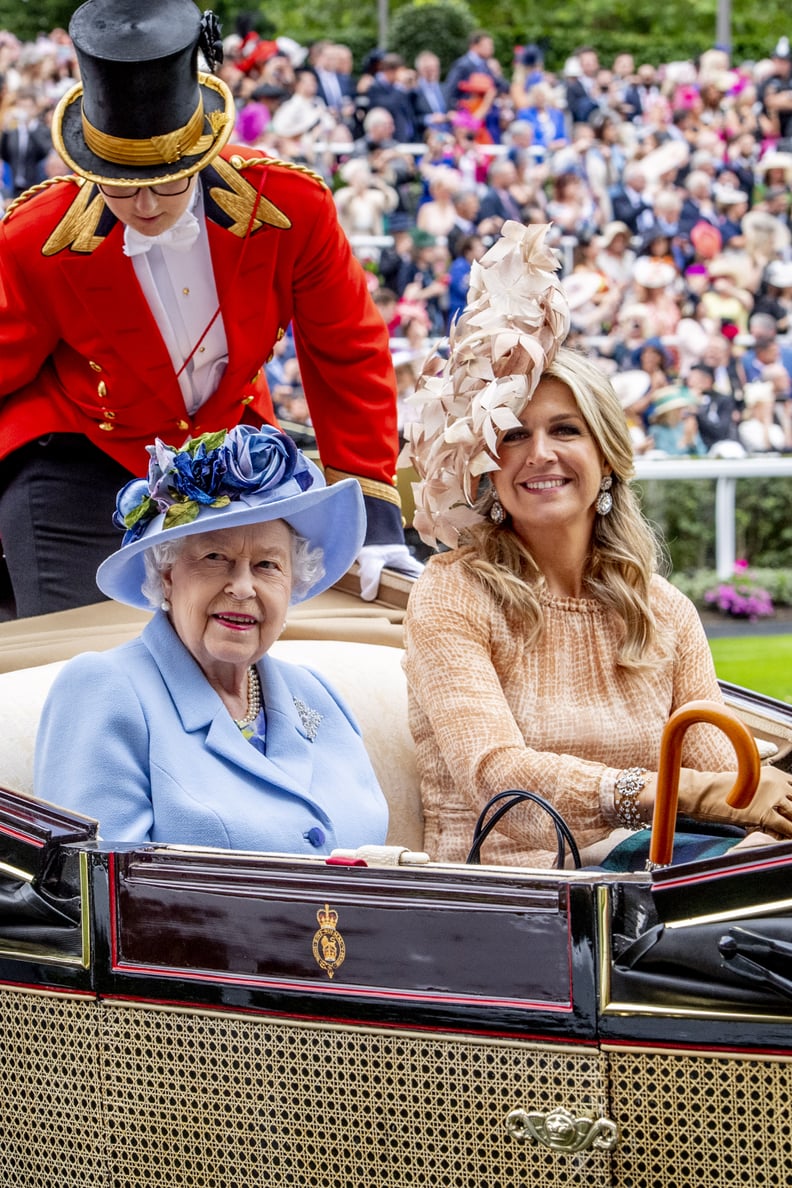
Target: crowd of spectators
x=668, y=188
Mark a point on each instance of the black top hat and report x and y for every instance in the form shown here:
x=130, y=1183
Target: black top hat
x=143, y=112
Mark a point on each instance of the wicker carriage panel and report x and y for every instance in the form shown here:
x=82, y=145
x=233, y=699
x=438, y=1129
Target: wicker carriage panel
x=51, y=1128
x=701, y=1121
x=215, y=1101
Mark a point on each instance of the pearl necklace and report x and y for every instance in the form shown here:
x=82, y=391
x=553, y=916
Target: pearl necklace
x=253, y=698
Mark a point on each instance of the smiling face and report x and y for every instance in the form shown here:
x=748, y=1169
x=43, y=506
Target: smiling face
x=551, y=468
x=229, y=593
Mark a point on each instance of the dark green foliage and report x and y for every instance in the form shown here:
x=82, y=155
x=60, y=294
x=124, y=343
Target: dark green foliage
x=675, y=30
x=27, y=19
x=442, y=26
x=684, y=512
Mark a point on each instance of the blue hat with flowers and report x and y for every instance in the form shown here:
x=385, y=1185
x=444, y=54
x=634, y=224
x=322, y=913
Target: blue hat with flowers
x=228, y=480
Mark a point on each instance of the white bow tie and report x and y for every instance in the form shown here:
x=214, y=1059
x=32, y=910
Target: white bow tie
x=179, y=238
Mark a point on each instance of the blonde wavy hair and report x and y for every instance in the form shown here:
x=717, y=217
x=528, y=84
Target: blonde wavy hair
x=625, y=553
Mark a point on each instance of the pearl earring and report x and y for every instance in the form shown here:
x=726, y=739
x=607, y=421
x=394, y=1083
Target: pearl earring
x=605, y=499
x=165, y=605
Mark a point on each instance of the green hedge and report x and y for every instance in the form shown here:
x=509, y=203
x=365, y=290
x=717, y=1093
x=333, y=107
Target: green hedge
x=684, y=513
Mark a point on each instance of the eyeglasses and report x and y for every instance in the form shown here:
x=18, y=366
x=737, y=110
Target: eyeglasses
x=166, y=190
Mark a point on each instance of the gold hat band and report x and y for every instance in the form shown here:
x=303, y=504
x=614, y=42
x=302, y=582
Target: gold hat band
x=154, y=150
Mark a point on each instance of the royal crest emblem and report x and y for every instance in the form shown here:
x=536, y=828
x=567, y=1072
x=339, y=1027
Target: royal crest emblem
x=329, y=949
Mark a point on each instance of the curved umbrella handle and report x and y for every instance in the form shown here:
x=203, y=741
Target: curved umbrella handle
x=748, y=770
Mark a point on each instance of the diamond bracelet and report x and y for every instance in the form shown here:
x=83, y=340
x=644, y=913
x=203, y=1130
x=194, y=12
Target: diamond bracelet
x=628, y=784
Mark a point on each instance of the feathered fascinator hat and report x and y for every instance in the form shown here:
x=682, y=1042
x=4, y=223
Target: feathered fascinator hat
x=515, y=320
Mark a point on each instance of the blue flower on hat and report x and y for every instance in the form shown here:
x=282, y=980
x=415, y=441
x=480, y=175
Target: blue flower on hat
x=208, y=471
x=257, y=460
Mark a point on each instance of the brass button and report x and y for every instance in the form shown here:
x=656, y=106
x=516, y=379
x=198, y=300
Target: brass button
x=281, y=332
x=256, y=376
x=248, y=399
x=108, y=414
x=95, y=366
x=236, y=162
x=101, y=389
x=270, y=356
x=201, y=350
x=186, y=292
x=182, y=425
x=106, y=426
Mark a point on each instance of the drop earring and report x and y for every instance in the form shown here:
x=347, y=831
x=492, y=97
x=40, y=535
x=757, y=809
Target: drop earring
x=497, y=514
x=605, y=499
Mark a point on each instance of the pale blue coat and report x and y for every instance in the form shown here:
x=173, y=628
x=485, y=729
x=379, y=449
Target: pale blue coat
x=137, y=738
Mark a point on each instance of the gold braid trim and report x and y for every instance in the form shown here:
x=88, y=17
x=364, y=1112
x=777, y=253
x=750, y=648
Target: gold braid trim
x=241, y=163
x=372, y=487
x=239, y=199
x=77, y=228
x=50, y=181
x=186, y=141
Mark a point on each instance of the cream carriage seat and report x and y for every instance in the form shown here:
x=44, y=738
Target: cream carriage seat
x=368, y=676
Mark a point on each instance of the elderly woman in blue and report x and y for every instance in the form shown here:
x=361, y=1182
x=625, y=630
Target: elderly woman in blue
x=192, y=734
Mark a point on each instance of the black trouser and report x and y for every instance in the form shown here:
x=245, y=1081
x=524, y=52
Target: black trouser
x=57, y=497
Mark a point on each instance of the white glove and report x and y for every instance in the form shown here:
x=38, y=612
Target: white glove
x=372, y=559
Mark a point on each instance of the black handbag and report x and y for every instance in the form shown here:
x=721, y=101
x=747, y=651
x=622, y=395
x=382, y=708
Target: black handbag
x=510, y=799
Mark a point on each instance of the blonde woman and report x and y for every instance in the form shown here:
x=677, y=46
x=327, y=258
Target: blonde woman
x=543, y=651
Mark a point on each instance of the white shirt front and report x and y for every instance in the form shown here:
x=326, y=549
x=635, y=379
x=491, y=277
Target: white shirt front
x=180, y=290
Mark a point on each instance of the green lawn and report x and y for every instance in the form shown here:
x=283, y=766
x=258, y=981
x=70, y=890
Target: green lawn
x=760, y=662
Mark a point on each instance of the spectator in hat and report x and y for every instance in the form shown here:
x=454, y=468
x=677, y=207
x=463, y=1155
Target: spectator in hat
x=730, y=204
x=775, y=294
x=545, y=117
x=615, y=257
x=143, y=302
x=727, y=299
x=429, y=284
x=760, y=432
x=255, y=116
x=294, y=131
x=673, y=423
x=656, y=285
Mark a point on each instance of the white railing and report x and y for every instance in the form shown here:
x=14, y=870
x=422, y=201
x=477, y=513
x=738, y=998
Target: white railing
x=725, y=472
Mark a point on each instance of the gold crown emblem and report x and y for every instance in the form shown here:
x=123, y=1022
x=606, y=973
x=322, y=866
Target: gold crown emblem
x=327, y=917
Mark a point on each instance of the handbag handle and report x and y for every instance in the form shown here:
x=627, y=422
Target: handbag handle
x=484, y=827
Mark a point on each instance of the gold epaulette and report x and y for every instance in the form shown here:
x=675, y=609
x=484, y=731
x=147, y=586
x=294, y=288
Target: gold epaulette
x=50, y=181
x=372, y=487
x=241, y=163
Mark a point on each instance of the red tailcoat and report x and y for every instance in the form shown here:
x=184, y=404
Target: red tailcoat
x=80, y=351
